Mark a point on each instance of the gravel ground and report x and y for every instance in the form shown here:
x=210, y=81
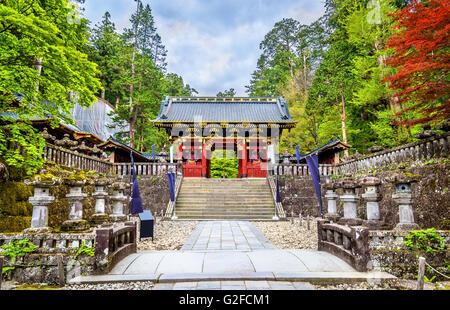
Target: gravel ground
x=284, y=235
x=169, y=235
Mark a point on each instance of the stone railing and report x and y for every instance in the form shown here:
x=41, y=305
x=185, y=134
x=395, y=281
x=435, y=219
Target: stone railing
x=52, y=243
x=66, y=157
x=110, y=245
x=147, y=169
x=113, y=244
x=300, y=170
x=53, y=261
x=279, y=211
x=434, y=147
x=350, y=243
x=171, y=205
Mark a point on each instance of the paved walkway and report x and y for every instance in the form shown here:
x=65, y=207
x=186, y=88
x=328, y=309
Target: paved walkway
x=226, y=235
x=231, y=251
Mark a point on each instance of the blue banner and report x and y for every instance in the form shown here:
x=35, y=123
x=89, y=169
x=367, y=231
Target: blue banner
x=313, y=165
x=171, y=180
x=297, y=154
x=153, y=152
x=136, y=202
x=278, y=198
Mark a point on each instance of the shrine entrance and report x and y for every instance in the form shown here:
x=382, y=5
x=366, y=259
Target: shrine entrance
x=197, y=126
x=196, y=155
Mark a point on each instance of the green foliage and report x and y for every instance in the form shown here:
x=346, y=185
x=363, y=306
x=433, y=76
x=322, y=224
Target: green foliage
x=17, y=248
x=83, y=249
x=224, y=164
x=424, y=240
x=227, y=93
x=41, y=61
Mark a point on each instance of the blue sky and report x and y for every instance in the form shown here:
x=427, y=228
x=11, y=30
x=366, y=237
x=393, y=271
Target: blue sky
x=212, y=44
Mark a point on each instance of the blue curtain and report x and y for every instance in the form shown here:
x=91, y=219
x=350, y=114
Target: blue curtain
x=313, y=165
x=297, y=153
x=136, y=202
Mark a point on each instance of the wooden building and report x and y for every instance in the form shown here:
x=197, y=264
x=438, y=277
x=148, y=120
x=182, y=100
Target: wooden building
x=246, y=125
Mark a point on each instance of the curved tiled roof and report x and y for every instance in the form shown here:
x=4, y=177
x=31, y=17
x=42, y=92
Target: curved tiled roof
x=231, y=110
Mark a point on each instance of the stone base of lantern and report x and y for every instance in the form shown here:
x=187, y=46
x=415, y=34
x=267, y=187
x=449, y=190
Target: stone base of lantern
x=350, y=221
x=75, y=225
x=375, y=225
x=333, y=217
x=118, y=217
x=37, y=230
x=406, y=226
x=100, y=218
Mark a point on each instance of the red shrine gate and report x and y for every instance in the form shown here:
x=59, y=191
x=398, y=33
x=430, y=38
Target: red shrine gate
x=196, y=155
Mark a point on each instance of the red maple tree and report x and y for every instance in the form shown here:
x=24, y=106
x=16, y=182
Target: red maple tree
x=422, y=60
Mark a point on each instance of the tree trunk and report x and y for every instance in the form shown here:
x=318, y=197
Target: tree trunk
x=343, y=116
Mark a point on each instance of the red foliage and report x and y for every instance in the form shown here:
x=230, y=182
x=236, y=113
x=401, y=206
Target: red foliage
x=422, y=59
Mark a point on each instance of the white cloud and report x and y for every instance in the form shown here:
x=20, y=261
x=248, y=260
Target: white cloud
x=213, y=45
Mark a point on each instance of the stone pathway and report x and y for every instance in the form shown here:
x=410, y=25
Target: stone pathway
x=219, y=253
x=235, y=285
x=226, y=235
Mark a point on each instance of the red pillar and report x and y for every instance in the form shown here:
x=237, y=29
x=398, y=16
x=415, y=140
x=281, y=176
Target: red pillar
x=244, y=159
x=180, y=151
x=203, y=160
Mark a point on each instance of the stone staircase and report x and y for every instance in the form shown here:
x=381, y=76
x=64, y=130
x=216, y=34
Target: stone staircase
x=224, y=199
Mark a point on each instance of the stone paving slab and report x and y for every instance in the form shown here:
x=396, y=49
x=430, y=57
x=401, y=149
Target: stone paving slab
x=226, y=235
x=235, y=285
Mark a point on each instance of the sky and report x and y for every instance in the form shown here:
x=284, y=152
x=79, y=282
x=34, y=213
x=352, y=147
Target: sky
x=212, y=44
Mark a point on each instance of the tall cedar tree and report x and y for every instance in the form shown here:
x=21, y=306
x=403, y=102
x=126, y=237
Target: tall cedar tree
x=423, y=60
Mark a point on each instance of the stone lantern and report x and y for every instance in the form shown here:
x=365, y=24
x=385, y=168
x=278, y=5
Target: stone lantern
x=403, y=197
x=100, y=216
x=118, y=199
x=331, y=197
x=350, y=201
x=372, y=196
x=40, y=201
x=75, y=197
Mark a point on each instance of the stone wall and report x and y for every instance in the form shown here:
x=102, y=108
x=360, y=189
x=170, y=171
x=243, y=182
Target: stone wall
x=299, y=196
x=154, y=193
x=41, y=266
x=388, y=253
x=431, y=196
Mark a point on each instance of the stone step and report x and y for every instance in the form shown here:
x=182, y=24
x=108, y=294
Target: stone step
x=223, y=195
x=217, y=204
x=223, y=190
x=215, y=210
x=225, y=217
x=213, y=197
x=220, y=212
x=222, y=207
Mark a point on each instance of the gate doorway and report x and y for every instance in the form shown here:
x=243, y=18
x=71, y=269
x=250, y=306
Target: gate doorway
x=249, y=159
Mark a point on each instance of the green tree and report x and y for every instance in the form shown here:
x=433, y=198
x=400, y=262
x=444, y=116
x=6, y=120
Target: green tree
x=227, y=93
x=42, y=72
